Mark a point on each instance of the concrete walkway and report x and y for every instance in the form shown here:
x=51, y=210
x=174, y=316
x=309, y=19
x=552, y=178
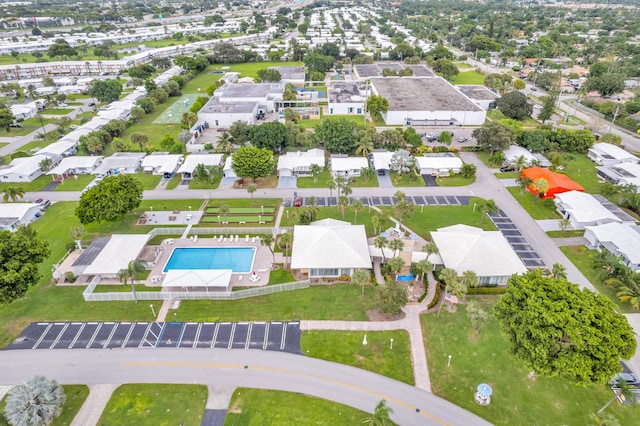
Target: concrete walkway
x=570, y=241
x=94, y=405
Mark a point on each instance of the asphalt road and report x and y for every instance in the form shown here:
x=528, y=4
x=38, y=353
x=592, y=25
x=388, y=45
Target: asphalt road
x=247, y=368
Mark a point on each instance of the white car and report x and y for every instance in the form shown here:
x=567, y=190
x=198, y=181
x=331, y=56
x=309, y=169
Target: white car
x=74, y=126
x=536, y=106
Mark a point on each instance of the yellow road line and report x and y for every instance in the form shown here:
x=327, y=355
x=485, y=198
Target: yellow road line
x=289, y=372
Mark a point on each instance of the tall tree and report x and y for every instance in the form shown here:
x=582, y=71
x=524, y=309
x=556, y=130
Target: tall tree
x=12, y=193
x=252, y=162
x=106, y=90
x=110, y=200
x=37, y=401
x=357, y=205
x=361, y=277
x=339, y=135
x=6, y=119
x=381, y=243
x=377, y=104
x=267, y=241
x=556, y=329
x=251, y=188
x=477, y=315
x=488, y=206
x=493, y=137
x=515, y=105
x=273, y=136
x=285, y=241
x=548, y=107
x=315, y=171
x=540, y=187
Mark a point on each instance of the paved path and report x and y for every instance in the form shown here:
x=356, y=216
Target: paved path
x=91, y=410
x=570, y=241
x=221, y=367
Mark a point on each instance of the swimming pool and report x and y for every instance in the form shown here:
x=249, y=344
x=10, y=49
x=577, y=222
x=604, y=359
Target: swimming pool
x=238, y=259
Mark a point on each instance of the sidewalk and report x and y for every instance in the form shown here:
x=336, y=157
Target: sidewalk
x=94, y=405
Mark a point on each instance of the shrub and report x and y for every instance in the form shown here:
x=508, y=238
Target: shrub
x=434, y=302
x=69, y=277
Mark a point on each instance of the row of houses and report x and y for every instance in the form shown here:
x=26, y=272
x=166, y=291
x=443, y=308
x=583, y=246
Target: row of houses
x=615, y=164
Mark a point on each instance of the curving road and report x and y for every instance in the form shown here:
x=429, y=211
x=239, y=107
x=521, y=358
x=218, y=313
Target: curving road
x=246, y=368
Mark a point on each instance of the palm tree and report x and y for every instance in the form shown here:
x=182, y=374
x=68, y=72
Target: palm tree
x=37, y=401
x=357, y=204
x=361, y=277
x=133, y=269
x=31, y=91
x=224, y=144
x=489, y=206
x=559, y=271
x=346, y=190
x=315, y=171
x=470, y=279
x=267, y=240
x=396, y=245
x=608, y=264
x=520, y=163
x=12, y=193
x=450, y=279
x=628, y=285
x=540, y=187
x=395, y=265
x=224, y=209
x=523, y=183
x=331, y=184
x=380, y=243
x=380, y=416
x=45, y=164
x=340, y=182
x=251, y=188
x=364, y=146
x=286, y=239
x=430, y=248
x=343, y=202
x=312, y=201
x=622, y=393
x=423, y=267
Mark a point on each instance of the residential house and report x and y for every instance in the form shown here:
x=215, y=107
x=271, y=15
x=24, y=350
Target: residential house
x=120, y=162
x=589, y=210
x=621, y=174
x=342, y=165
x=12, y=215
x=440, y=164
x=514, y=152
x=621, y=239
x=75, y=165
x=606, y=154
x=22, y=169
x=162, y=163
x=299, y=163
x=191, y=162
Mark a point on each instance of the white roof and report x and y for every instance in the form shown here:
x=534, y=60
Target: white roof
x=348, y=163
x=514, y=152
x=625, y=236
x=166, y=162
x=382, y=159
x=228, y=163
x=75, y=162
x=15, y=210
x=192, y=161
x=617, y=153
x=116, y=255
x=584, y=207
x=24, y=165
x=330, y=243
x=58, y=148
x=631, y=168
x=294, y=160
x=120, y=160
x=487, y=253
x=439, y=162
x=197, y=278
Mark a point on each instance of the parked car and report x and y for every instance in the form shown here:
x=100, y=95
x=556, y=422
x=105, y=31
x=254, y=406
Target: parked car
x=629, y=378
x=63, y=105
x=297, y=202
x=534, y=89
x=431, y=137
x=537, y=106
x=462, y=139
x=17, y=125
x=74, y=126
x=381, y=173
x=91, y=104
x=508, y=168
x=39, y=201
x=46, y=204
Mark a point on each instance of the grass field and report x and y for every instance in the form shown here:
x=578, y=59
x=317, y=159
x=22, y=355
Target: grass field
x=58, y=111
x=206, y=183
x=243, y=202
x=256, y=407
x=237, y=219
x=468, y=77
x=156, y=404
x=173, y=114
x=77, y=183
x=456, y=180
x=377, y=355
x=18, y=131
x=325, y=176
x=174, y=182
x=148, y=180
x=484, y=358
x=582, y=258
x=243, y=210
x=155, y=132
x=543, y=209
x=406, y=180
x=583, y=171
x=364, y=216
x=337, y=302
x=566, y=234
x=38, y=184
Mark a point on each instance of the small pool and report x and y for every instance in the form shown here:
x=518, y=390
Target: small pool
x=238, y=259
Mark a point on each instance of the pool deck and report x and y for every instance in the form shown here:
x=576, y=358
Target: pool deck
x=261, y=263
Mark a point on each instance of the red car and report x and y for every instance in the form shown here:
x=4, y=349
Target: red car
x=297, y=202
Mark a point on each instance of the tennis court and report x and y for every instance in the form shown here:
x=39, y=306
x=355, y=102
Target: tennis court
x=173, y=114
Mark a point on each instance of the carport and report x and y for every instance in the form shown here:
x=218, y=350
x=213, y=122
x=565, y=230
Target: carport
x=197, y=280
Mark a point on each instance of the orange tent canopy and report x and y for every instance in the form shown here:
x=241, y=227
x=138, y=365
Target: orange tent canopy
x=557, y=183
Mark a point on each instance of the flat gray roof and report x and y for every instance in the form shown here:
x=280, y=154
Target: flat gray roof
x=480, y=93
x=422, y=94
x=214, y=106
x=90, y=253
x=345, y=93
x=290, y=72
x=249, y=90
x=375, y=70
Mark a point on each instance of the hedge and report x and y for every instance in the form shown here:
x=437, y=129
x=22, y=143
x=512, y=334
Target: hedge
x=436, y=298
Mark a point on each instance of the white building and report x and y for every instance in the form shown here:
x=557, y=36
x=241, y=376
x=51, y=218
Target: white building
x=227, y=169
x=291, y=74
x=514, y=152
x=191, y=162
x=299, y=163
x=106, y=256
x=621, y=174
x=76, y=165
x=329, y=248
x=341, y=165
x=606, y=154
x=345, y=98
x=479, y=95
x=60, y=149
x=120, y=162
x=381, y=159
x=586, y=210
x=12, y=215
x=487, y=253
x=441, y=164
x=161, y=163
x=430, y=101
x=23, y=169
x=28, y=110
x=621, y=239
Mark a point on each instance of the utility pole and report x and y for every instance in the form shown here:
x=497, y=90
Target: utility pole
x=615, y=115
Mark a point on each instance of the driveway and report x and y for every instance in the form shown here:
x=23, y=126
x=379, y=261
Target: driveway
x=287, y=182
x=385, y=181
x=430, y=180
x=549, y=224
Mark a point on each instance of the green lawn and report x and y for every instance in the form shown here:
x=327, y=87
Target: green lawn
x=566, y=234
x=58, y=111
x=206, y=183
x=543, y=209
x=376, y=355
x=364, y=216
x=256, y=407
x=485, y=358
x=156, y=404
x=149, y=181
x=35, y=122
x=506, y=175
x=583, y=171
x=582, y=258
x=456, y=180
x=244, y=202
x=38, y=184
x=76, y=183
x=76, y=395
x=174, y=182
x=154, y=131
x=37, y=143
x=17, y=131
x=325, y=176
x=484, y=157
x=468, y=77
x=406, y=180
x=337, y=302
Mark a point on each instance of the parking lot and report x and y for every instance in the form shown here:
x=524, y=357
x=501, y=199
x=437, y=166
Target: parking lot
x=439, y=200
x=271, y=336
x=518, y=242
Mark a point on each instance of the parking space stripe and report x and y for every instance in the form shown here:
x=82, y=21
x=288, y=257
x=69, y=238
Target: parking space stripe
x=284, y=335
x=266, y=336
x=113, y=331
x=181, y=334
x=144, y=338
x=195, y=339
x=59, y=336
x=95, y=333
x=215, y=335
x=44, y=333
x=246, y=343
x=126, y=339
x=75, y=339
x=233, y=330
x=160, y=334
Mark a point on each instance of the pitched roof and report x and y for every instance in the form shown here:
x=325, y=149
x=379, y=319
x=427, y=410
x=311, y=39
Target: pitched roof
x=619, y=238
x=116, y=254
x=330, y=243
x=487, y=253
x=584, y=207
x=557, y=183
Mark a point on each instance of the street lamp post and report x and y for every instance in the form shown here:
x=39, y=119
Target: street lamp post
x=391, y=343
x=449, y=362
x=153, y=311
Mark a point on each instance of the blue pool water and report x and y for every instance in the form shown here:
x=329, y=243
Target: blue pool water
x=238, y=259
